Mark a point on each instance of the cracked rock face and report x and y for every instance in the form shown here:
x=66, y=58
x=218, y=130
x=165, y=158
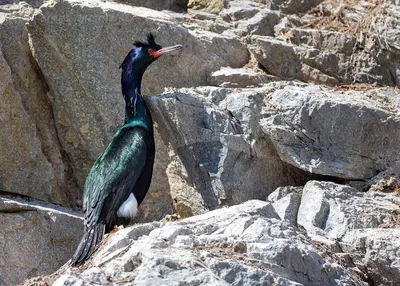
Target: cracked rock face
x=242, y=245
x=32, y=162
x=35, y=238
x=349, y=135
x=217, y=140
x=365, y=225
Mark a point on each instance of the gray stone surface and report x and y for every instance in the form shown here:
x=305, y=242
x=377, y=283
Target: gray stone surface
x=365, y=225
x=229, y=77
x=288, y=206
x=35, y=238
x=345, y=134
x=292, y=6
x=289, y=61
x=216, y=137
x=241, y=245
x=281, y=192
x=32, y=161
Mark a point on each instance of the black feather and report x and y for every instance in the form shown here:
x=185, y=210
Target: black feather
x=150, y=41
x=89, y=241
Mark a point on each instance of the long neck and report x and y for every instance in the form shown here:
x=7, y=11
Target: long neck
x=136, y=110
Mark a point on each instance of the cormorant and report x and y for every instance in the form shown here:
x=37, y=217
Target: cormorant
x=121, y=176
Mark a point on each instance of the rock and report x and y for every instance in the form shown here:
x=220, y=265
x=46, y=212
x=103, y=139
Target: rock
x=289, y=61
x=294, y=6
x=173, y=5
x=365, y=224
x=387, y=182
x=229, y=77
x=240, y=245
x=345, y=134
x=214, y=6
x=236, y=13
x=288, y=206
x=32, y=161
x=278, y=58
x=221, y=151
x=78, y=66
x=335, y=209
x=262, y=24
x=282, y=192
x=378, y=248
x=35, y=238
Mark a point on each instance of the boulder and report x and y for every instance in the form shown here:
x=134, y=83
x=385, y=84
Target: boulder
x=366, y=225
x=342, y=133
x=221, y=154
x=36, y=238
x=288, y=206
x=32, y=160
x=241, y=245
x=289, y=61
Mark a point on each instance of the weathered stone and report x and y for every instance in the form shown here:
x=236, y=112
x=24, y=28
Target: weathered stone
x=240, y=245
x=87, y=102
x=288, y=206
x=294, y=6
x=229, y=77
x=379, y=249
x=32, y=161
x=214, y=6
x=365, y=224
x=216, y=135
x=349, y=135
x=277, y=57
x=173, y=5
x=387, y=182
x=265, y=23
x=35, y=238
x=281, y=192
x=335, y=209
x=238, y=13
x=289, y=61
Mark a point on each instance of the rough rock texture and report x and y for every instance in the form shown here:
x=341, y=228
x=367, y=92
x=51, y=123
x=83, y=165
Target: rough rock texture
x=32, y=162
x=35, y=238
x=229, y=77
x=331, y=44
x=240, y=245
x=366, y=226
x=216, y=136
x=345, y=134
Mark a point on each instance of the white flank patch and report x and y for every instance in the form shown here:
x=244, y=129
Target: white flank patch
x=128, y=208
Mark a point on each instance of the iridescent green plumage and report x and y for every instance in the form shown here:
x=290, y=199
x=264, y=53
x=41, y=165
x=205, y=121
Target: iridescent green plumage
x=126, y=165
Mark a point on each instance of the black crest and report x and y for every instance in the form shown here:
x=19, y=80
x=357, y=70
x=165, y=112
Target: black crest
x=150, y=42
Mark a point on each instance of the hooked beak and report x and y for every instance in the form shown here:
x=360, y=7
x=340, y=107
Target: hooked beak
x=163, y=51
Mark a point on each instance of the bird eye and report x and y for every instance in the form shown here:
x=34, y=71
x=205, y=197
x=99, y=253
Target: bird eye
x=150, y=51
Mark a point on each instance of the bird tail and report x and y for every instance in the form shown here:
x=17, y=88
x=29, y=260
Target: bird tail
x=89, y=241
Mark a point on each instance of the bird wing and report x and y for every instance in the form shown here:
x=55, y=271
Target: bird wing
x=114, y=175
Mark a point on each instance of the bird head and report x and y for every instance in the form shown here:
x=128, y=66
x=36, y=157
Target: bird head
x=144, y=53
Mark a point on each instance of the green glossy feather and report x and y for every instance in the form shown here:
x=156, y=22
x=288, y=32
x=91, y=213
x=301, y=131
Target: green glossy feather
x=114, y=175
